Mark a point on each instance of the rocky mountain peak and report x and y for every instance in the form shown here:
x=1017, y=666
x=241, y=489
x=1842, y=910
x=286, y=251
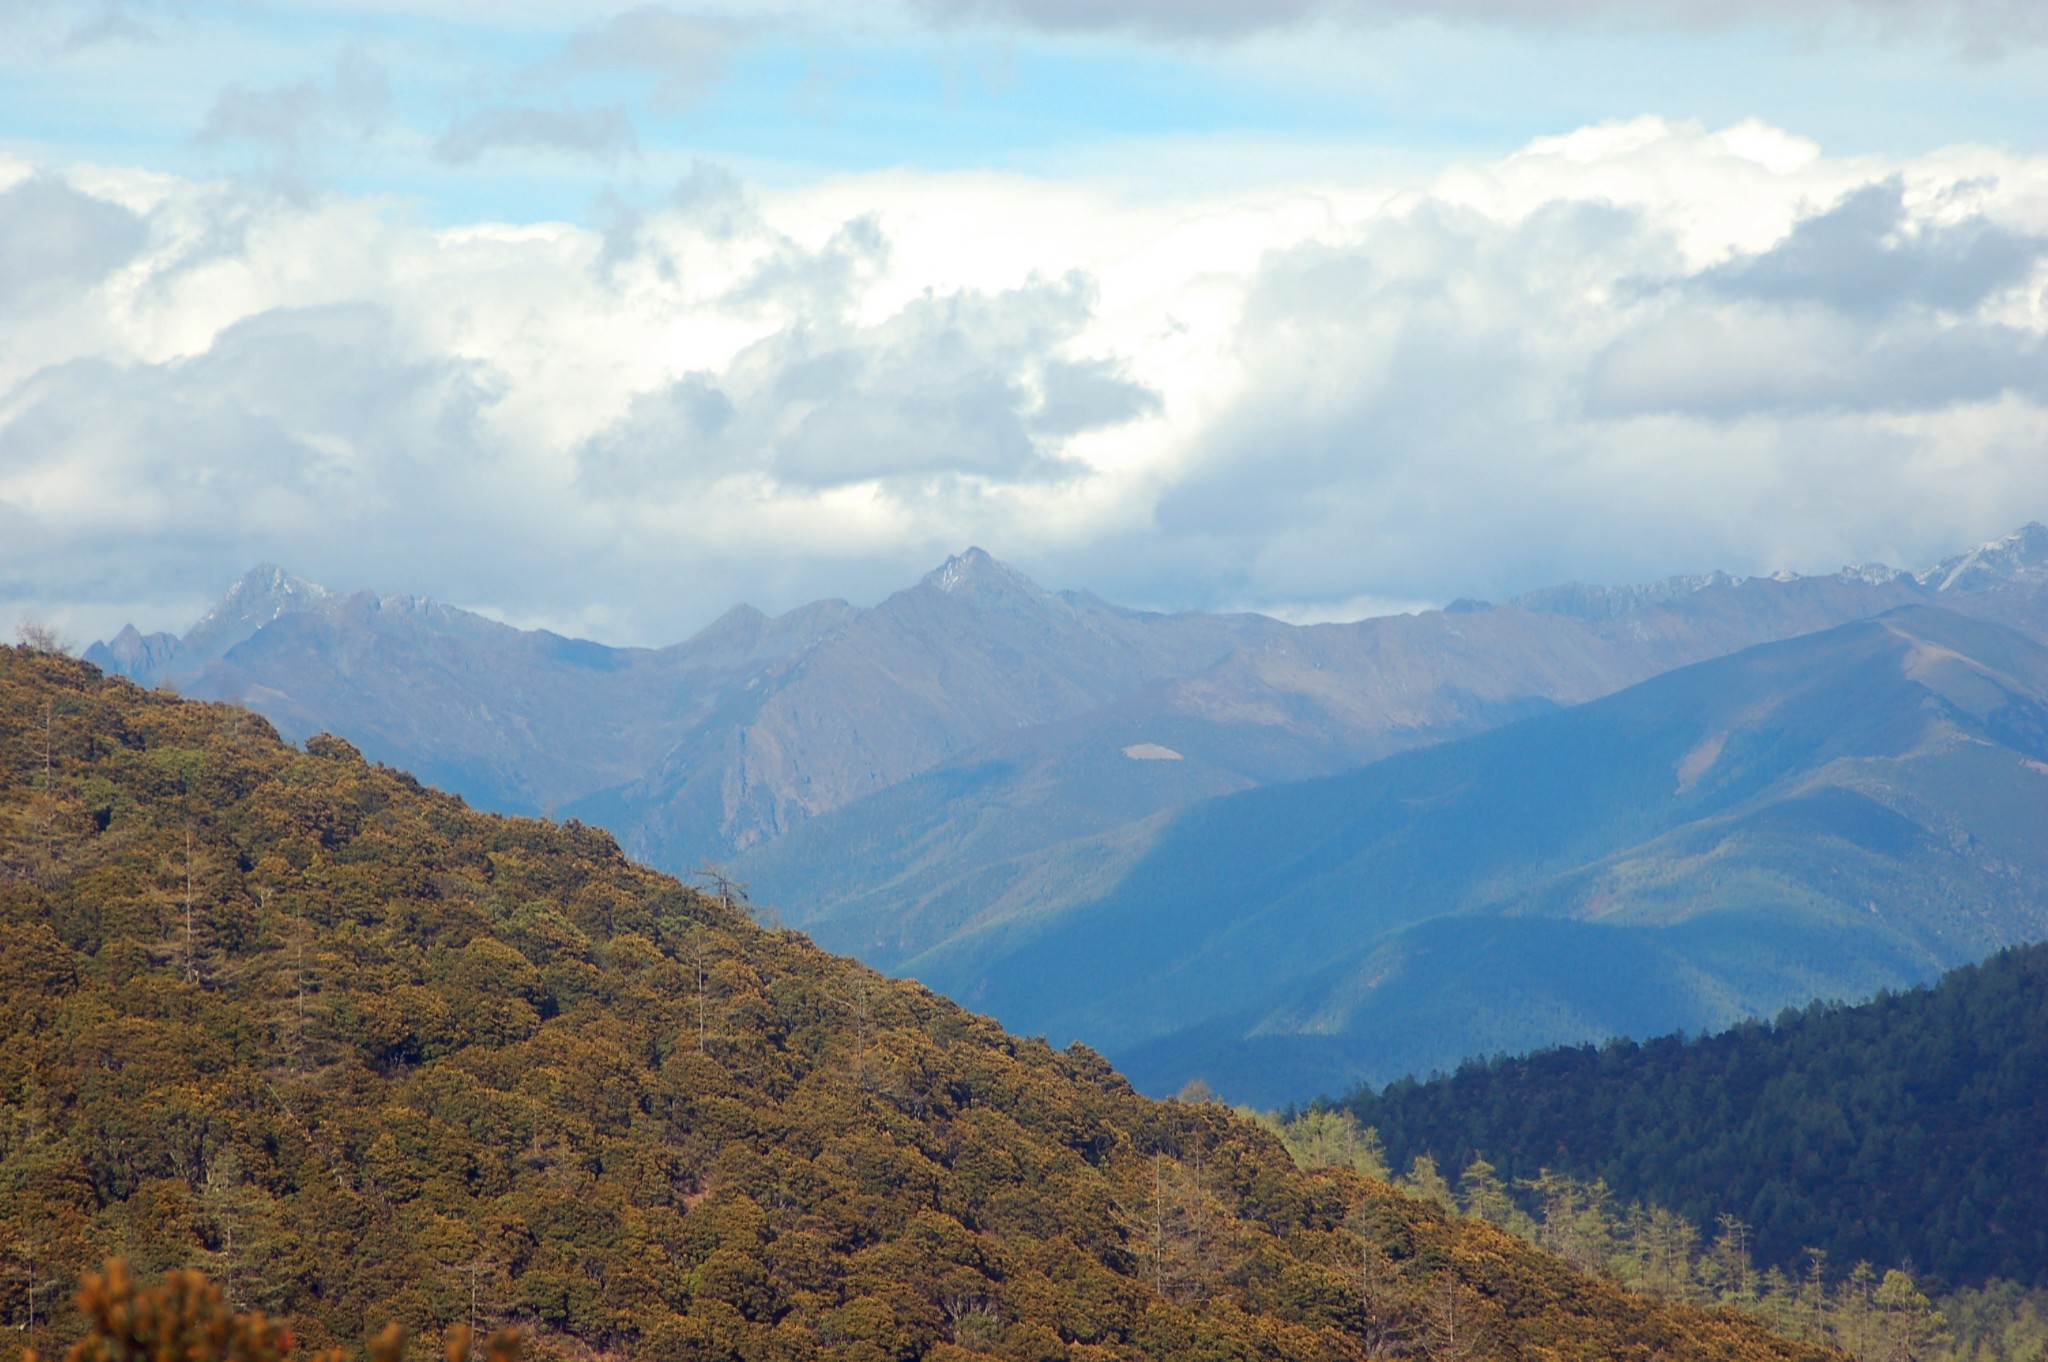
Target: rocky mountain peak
x=1582, y=601
x=146, y=659
x=2019, y=556
x=976, y=573
x=262, y=594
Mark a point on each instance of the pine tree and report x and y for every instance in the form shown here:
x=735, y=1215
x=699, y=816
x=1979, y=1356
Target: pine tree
x=1909, y=1328
x=1483, y=1196
x=1423, y=1182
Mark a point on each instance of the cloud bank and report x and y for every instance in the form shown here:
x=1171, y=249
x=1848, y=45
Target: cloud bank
x=1634, y=350
x=1983, y=23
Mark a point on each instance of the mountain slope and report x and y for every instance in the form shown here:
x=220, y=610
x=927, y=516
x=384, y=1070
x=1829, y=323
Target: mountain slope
x=975, y=649
x=364, y=1053
x=1907, y=1129
x=896, y=874
x=515, y=720
x=691, y=751
x=1822, y=817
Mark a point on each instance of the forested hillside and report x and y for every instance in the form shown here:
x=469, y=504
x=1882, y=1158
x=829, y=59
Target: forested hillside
x=362, y=1053
x=1910, y=1129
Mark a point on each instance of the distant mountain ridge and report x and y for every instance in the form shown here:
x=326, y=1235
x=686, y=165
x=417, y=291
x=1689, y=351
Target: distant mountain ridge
x=2018, y=559
x=1820, y=817
x=694, y=750
x=895, y=874
x=757, y=726
x=260, y=596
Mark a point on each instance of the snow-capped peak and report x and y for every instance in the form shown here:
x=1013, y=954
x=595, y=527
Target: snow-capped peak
x=264, y=593
x=976, y=570
x=2019, y=556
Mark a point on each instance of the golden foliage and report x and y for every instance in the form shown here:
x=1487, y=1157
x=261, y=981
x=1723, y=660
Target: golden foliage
x=361, y=1053
x=186, y=1318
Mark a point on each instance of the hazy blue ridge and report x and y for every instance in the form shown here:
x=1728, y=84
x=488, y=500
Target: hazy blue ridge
x=1817, y=818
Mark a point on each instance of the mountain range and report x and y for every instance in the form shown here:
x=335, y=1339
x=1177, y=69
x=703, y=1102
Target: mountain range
x=952, y=782
x=1819, y=818
x=756, y=726
x=690, y=751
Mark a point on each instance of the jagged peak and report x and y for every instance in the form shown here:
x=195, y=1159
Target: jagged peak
x=745, y=634
x=266, y=581
x=740, y=626
x=976, y=570
x=2021, y=555
x=263, y=593
x=1871, y=574
x=1606, y=602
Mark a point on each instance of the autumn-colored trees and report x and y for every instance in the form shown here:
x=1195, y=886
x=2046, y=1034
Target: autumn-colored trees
x=186, y=1318
x=362, y=1054
x=1875, y=1315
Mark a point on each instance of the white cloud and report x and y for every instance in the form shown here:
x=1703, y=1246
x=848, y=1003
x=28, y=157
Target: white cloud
x=959, y=386
x=56, y=242
x=1632, y=350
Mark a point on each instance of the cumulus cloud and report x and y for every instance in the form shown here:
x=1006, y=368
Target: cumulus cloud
x=294, y=434
x=1629, y=351
x=293, y=422
x=55, y=241
x=1867, y=257
x=1509, y=385
x=962, y=385
x=1741, y=362
x=1862, y=306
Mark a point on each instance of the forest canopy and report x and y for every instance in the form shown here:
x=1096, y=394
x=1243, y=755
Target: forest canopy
x=1906, y=1130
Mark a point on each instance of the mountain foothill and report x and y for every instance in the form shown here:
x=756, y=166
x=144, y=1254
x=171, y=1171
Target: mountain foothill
x=362, y=1053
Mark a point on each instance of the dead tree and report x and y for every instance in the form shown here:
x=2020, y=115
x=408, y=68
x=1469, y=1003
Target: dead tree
x=720, y=884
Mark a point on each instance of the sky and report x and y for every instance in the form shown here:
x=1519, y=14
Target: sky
x=603, y=320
